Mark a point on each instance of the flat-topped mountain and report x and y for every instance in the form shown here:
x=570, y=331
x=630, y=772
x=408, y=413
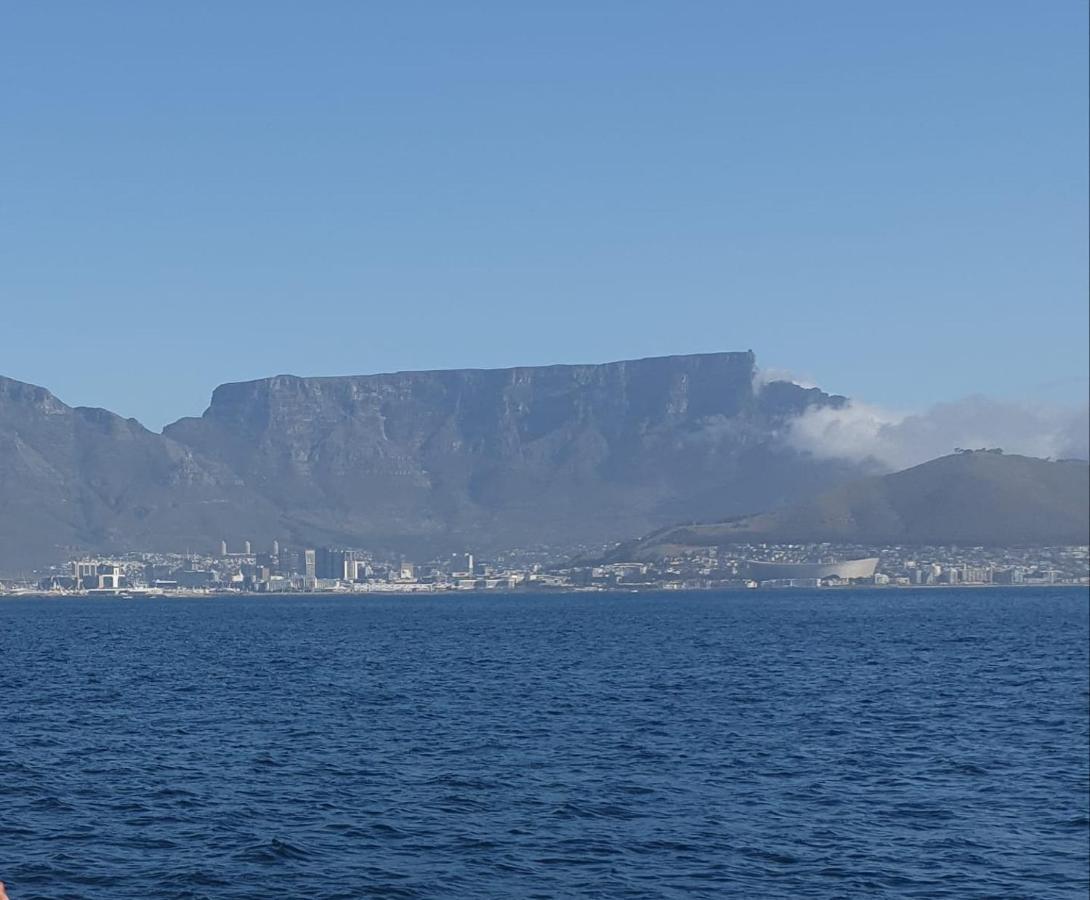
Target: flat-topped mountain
x=506, y=457
x=977, y=498
x=422, y=461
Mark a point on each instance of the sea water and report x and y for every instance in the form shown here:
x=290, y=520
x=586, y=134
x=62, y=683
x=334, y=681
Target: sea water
x=765, y=744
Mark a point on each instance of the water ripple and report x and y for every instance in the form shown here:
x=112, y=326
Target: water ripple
x=796, y=745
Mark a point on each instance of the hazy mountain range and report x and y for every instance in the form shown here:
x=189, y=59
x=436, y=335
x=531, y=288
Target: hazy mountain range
x=418, y=461
x=972, y=499
x=415, y=461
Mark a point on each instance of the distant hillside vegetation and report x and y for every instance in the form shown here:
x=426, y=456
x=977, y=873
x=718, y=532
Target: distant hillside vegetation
x=972, y=498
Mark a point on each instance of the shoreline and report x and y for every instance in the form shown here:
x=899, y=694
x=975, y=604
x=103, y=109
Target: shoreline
x=138, y=595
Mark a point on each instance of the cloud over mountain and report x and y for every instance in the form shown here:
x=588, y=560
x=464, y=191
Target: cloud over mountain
x=860, y=431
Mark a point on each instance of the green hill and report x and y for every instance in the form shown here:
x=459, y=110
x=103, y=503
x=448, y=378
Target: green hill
x=975, y=498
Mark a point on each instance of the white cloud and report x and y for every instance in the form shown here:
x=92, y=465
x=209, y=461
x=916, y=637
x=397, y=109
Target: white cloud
x=762, y=376
x=861, y=431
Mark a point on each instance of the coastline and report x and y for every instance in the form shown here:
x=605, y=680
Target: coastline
x=142, y=596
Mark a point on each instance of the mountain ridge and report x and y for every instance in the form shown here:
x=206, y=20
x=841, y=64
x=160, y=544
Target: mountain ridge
x=458, y=453
x=482, y=458
x=976, y=498
x=67, y=476
x=429, y=461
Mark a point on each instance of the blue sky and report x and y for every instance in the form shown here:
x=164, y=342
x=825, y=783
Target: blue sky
x=890, y=198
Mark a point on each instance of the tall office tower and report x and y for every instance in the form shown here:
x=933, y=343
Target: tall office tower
x=330, y=563
x=285, y=561
x=308, y=567
x=322, y=564
x=339, y=564
x=246, y=547
x=276, y=548
x=223, y=548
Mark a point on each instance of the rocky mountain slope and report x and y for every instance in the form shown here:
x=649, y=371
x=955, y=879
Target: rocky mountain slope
x=490, y=458
x=79, y=478
x=415, y=460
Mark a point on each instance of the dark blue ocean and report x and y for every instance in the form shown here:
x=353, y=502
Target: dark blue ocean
x=822, y=744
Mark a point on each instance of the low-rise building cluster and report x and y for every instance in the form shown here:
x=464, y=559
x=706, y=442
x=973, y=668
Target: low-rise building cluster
x=282, y=569
x=830, y=565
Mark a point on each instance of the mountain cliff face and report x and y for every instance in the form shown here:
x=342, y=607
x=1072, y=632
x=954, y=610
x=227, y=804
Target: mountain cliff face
x=80, y=478
x=555, y=454
x=420, y=461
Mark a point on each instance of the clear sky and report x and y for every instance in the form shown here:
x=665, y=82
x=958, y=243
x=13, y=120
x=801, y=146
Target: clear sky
x=889, y=197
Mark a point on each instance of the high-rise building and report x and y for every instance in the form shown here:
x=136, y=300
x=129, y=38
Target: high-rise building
x=246, y=548
x=330, y=563
x=223, y=548
x=285, y=561
x=308, y=566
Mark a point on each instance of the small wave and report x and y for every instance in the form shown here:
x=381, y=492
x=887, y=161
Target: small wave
x=593, y=811
x=274, y=850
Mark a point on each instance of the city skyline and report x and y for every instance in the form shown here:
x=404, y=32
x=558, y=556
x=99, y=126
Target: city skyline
x=337, y=570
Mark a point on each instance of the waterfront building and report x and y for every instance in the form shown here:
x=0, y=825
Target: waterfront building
x=787, y=571
x=91, y=575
